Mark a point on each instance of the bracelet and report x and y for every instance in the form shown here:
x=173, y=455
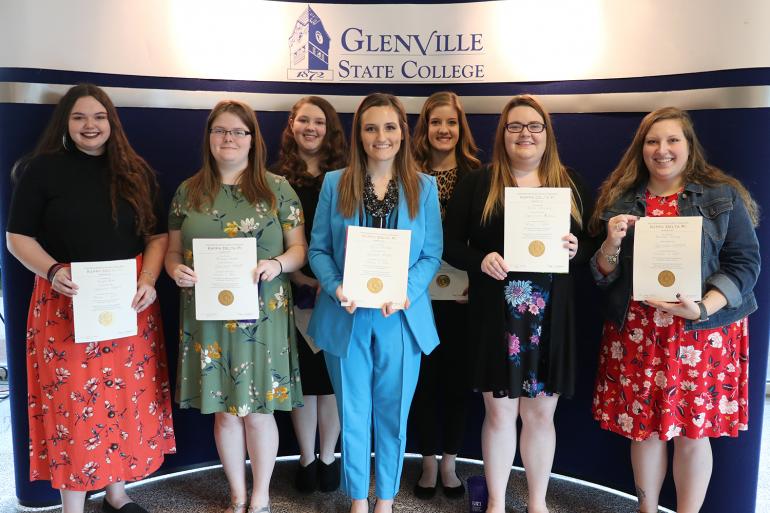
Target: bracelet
x=612, y=259
x=704, y=315
x=53, y=270
x=279, y=263
x=148, y=273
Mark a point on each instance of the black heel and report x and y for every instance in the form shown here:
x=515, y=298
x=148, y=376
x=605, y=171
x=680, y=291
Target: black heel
x=328, y=476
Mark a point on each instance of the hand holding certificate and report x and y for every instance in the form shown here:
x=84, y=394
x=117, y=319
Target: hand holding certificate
x=536, y=221
x=102, y=306
x=667, y=258
x=376, y=266
x=225, y=289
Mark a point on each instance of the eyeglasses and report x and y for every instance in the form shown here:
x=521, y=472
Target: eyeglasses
x=238, y=133
x=534, y=127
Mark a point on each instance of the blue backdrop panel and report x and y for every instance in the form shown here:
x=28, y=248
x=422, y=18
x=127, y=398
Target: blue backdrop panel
x=590, y=143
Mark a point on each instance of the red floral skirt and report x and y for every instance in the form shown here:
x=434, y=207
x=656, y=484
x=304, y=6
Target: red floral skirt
x=99, y=412
x=656, y=379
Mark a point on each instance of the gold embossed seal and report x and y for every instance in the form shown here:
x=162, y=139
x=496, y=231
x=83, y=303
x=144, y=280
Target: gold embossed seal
x=443, y=281
x=374, y=285
x=536, y=248
x=105, y=318
x=666, y=278
x=226, y=298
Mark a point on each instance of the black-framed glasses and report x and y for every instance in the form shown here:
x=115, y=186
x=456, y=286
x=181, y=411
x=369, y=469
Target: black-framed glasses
x=238, y=133
x=534, y=127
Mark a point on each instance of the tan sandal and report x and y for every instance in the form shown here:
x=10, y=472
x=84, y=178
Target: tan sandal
x=235, y=507
x=263, y=509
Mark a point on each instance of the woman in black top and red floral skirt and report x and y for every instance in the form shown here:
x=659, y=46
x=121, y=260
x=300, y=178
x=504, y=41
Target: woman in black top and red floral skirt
x=99, y=412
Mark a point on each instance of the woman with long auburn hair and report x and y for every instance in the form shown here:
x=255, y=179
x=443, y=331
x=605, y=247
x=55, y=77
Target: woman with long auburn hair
x=444, y=148
x=524, y=359
x=312, y=144
x=373, y=355
x=241, y=370
x=674, y=371
x=99, y=412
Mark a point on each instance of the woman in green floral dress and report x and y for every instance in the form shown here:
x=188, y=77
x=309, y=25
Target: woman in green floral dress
x=240, y=370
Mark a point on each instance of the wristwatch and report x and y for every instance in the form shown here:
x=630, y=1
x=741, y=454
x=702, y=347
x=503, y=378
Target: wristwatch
x=612, y=258
x=704, y=315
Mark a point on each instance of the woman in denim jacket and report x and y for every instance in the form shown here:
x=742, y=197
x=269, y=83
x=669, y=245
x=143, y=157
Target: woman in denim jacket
x=674, y=371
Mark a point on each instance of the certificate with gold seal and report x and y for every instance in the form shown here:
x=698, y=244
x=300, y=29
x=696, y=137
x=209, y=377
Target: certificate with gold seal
x=536, y=219
x=102, y=307
x=448, y=284
x=225, y=290
x=376, y=266
x=667, y=258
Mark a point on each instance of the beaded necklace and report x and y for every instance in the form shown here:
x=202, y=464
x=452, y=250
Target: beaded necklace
x=380, y=208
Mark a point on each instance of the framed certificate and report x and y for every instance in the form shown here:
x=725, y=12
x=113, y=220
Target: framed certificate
x=536, y=219
x=102, y=307
x=226, y=289
x=667, y=258
x=376, y=266
x=448, y=284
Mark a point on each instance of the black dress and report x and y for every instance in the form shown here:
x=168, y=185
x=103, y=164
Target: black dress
x=312, y=366
x=521, y=329
x=442, y=385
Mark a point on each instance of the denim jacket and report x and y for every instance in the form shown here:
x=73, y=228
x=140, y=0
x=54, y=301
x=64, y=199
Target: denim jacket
x=729, y=252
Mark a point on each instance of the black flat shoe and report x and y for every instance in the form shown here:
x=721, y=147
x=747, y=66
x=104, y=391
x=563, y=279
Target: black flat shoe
x=306, y=478
x=129, y=507
x=453, y=492
x=424, y=492
x=328, y=475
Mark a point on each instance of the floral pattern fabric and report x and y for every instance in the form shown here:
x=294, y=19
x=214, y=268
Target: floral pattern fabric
x=526, y=301
x=99, y=412
x=239, y=366
x=656, y=379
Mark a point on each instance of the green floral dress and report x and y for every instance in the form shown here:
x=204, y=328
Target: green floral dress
x=239, y=366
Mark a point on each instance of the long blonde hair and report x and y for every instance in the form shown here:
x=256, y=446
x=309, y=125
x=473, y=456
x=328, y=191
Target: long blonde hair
x=631, y=172
x=465, y=150
x=351, y=185
x=551, y=171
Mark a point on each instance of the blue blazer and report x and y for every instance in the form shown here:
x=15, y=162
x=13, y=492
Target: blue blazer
x=331, y=326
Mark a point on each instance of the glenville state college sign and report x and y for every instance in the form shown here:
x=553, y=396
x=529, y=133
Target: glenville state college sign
x=365, y=54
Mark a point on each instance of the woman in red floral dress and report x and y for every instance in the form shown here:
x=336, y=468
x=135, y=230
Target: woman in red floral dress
x=674, y=370
x=99, y=412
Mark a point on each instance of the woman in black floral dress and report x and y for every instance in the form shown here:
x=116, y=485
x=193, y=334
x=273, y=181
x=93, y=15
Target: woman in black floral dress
x=523, y=322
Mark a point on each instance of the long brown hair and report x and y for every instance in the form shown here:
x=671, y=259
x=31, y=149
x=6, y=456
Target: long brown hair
x=465, y=150
x=203, y=186
x=351, y=186
x=332, y=154
x=631, y=172
x=131, y=178
x=551, y=171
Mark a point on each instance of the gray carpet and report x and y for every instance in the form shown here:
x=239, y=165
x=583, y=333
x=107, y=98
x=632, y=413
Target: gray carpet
x=206, y=492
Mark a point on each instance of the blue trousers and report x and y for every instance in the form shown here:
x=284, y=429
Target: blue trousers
x=374, y=385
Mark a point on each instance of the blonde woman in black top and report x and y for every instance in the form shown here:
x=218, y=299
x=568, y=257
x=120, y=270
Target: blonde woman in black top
x=444, y=148
x=523, y=323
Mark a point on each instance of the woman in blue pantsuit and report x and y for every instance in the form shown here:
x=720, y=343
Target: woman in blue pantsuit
x=373, y=355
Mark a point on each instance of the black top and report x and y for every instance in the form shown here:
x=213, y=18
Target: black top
x=467, y=242
x=308, y=197
x=63, y=201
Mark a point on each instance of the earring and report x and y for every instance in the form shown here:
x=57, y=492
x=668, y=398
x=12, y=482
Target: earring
x=64, y=141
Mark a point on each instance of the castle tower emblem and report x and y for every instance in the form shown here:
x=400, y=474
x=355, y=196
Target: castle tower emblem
x=309, y=48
